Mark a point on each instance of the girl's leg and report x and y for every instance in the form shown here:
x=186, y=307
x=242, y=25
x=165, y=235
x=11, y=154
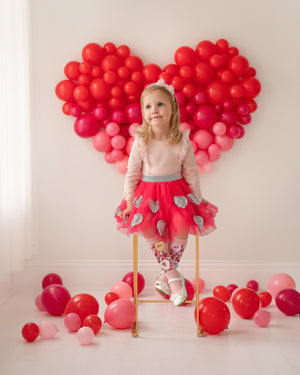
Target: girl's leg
x=177, y=248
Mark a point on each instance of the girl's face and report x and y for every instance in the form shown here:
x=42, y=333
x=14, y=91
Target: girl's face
x=157, y=111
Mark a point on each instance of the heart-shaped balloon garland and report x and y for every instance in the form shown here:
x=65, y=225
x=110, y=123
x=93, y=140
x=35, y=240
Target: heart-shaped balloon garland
x=214, y=87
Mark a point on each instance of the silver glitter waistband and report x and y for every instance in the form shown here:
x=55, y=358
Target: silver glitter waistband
x=163, y=178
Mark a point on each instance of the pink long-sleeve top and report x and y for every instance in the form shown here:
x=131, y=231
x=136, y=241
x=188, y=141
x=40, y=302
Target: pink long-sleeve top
x=161, y=158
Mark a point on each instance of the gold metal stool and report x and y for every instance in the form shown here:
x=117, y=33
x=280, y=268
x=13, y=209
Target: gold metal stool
x=135, y=331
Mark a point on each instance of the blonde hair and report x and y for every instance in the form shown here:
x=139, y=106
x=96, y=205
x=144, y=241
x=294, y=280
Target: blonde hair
x=145, y=130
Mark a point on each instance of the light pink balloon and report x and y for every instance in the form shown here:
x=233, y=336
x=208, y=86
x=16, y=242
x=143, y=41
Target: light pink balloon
x=48, y=329
x=117, y=154
x=201, y=284
x=122, y=289
x=219, y=128
x=112, y=129
x=121, y=313
x=122, y=165
x=224, y=142
x=39, y=304
x=201, y=157
x=185, y=126
x=132, y=128
x=208, y=167
x=262, y=318
x=72, y=322
x=280, y=281
x=129, y=145
x=203, y=138
x=118, y=141
x=101, y=142
x=214, y=152
x=85, y=335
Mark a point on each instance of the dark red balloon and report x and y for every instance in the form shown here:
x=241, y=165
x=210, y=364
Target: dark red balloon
x=93, y=321
x=86, y=126
x=51, y=278
x=82, y=304
x=128, y=278
x=190, y=291
x=30, y=331
x=55, y=298
x=288, y=301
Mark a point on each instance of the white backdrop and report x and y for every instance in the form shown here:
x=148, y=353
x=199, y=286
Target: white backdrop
x=255, y=185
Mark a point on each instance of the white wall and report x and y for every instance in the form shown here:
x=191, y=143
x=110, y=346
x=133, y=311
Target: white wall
x=255, y=185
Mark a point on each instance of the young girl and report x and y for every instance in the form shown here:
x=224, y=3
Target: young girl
x=162, y=198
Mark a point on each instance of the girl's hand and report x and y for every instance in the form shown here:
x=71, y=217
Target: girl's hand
x=127, y=211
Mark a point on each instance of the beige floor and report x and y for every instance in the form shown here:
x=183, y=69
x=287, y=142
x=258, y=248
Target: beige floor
x=167, y=344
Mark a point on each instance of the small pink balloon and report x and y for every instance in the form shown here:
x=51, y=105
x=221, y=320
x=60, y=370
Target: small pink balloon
x=208, y=167
x=242, y=109
x=132, y=128
x=39, y=304
x=228, y=105
x=129, y=145
x=122, y=289
x=101, y=141
x=200, y=98
x=48, y=329
x=203, y=138
x=185, y=126
x=112, y=129
x=75, y=111
x=201, y=284
x=245, y=120
x=280, y=281
x=72, y=322
x=117, y=155
x=224, y=142
x=121, y=165
x=108, y=158
x=118, y=141
x=214, y=152
x=219, y=128
x=262, y=318
x=201, y=157
x=85, y=335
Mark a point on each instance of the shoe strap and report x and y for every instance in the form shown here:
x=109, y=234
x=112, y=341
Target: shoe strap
x=172, y=280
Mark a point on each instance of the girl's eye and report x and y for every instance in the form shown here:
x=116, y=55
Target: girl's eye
x=148, y=106
x=160, y=104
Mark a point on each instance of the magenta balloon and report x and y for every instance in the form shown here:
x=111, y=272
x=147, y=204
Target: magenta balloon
x=229, y=117
x=51, y=278
x=134, y=113
x=100, y=112
x=120, y=314
x=55, y=298
x=118, y=116
x=101, y=142
x=288, y=301
x=128, y=278
x=86, y=126
x=200, y=98
x=205, y=116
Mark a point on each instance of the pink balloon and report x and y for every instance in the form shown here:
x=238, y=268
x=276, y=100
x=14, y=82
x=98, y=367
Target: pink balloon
x=242, y=109
x=122, y=165
x=228, y=105
x=121, y=313
x=214, y=152
x=129, y=145
x=262, y=318
x=208, y=167
x=48, y=329
x=118, y=116
x=205, y=116
x=201, y=285
x=200, y=98
x=101, y=142
x=108, y=158
x=219, y=128
x=185, y=126
x=224, y=142
x=55, y=298
x=72, y=322
x=132, y=128
x=100, y=112
x=122, y=289
x=201, y=157
x=245, y=120
x=118, y=141
x=112, y=129
x=203, y=138
x=117, y=154
x=39, y=304
x=280, y=281
x=85, y=335
x=134, y=113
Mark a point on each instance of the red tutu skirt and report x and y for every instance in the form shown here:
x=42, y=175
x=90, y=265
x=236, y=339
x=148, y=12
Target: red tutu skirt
x=166, y=209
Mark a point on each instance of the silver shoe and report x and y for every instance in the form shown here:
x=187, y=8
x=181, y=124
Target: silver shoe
x=179, y=298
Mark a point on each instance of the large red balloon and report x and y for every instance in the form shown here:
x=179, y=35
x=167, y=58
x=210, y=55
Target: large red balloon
x=203, y=73
x=99, y=89
x=251, y=87
x=55, y=298
x=86, y=126
x=64, y=90
x=93, y=53
x=217, y=92
x=151, y=72
x=205, y=116
x=82, y=304
x=185, y=56
x=205, y=50
x=214, y=315
x=245, y=302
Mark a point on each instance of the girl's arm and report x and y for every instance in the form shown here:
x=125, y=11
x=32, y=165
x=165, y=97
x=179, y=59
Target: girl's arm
x=190, y=172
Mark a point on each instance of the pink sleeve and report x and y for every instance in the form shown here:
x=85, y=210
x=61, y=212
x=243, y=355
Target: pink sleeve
x=190, y=171
x=134, y=170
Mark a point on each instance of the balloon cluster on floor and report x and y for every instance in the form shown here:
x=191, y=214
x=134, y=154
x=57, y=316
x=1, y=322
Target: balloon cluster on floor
x=214, y=85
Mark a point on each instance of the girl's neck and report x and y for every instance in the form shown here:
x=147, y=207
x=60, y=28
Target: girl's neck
x=161, y=135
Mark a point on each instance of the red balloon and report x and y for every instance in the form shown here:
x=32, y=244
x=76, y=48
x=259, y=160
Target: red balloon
x=86, y=126
x=205, y=116
x=231, y=288
x=123, y=51
x=128, y=278
x=109, y=48
x=185, y=56
x=30, y=331
x=217, y=92
x=99, y=89
x=93, y=321
x=72, y=70
x=85, y=67
x=64, y=90
x=134, y=63
x=111, y=62
x=221, y=292
x=288, y=301
x=93, y=53
x=134, y=113
x=190, y=291
x=251, y=87
x=81, y=92
x=151, y=72
x=253, y=284
x=245, y=302
x=203, y=73
x=205, y=50
x=55, y=298
x=265, y=298
x=236, y=91
x=186, y=72
x=110, y=297
x=177, y=82
x=214, y=315
x=51, y=278
x=189, y=90
x=239, y=65
x=82, y=304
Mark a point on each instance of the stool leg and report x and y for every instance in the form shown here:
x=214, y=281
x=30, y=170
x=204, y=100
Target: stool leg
x=135, y=332
x=199, y=331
